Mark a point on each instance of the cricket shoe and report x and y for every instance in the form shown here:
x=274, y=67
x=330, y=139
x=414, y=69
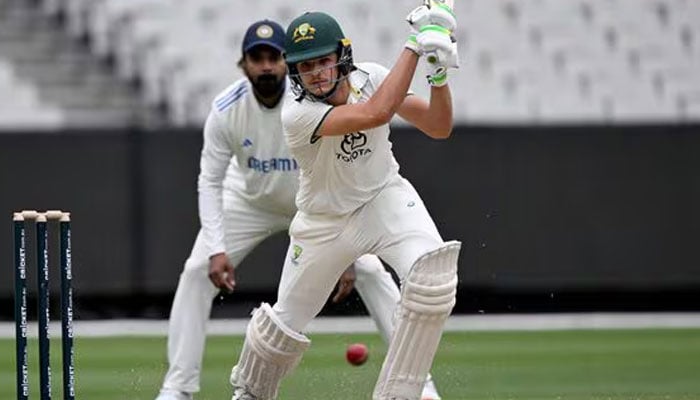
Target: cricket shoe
x=242, y=394
x=429, y=390
x=169, y=394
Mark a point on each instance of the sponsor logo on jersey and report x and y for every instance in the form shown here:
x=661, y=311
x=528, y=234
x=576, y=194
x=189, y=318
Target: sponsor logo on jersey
x=247, y=142
x=273, y=164
x=353, y=146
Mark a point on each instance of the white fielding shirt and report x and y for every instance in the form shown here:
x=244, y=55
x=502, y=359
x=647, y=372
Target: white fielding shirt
x=244, y=153
x=338, y=174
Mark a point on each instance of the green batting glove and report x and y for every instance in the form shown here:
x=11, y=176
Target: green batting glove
x=412, y=45
x=437, y=75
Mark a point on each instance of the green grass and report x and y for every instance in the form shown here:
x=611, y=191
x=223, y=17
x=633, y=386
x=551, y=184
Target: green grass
x=571, y=365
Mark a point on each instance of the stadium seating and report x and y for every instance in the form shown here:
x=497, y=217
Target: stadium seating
x=522, y=61
x=53, y=82
x=23, y=110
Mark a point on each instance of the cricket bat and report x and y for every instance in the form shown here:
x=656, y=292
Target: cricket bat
x=448, y=3
x=432, y=58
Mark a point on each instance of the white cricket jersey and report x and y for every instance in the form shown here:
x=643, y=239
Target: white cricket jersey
x=338, y=174
x=244, y=153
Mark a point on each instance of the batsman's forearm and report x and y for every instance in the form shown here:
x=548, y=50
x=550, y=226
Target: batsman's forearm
x=440, y=110
x=391, y=93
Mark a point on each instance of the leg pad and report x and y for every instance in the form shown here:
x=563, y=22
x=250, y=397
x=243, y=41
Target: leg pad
x=427, y=298
x=271, y=350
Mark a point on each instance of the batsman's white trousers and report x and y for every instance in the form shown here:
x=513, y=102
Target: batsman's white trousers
x=394, y=225
x=245, y=227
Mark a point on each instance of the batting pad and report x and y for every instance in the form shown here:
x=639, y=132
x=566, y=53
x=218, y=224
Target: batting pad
x=270, y=351
x=427, y=298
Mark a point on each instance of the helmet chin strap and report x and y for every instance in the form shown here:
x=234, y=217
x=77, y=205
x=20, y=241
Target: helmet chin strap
x=344, y=72
x=330, y=92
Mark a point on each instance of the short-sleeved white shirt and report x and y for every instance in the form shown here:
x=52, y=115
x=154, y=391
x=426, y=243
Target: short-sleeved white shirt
x=338, y=174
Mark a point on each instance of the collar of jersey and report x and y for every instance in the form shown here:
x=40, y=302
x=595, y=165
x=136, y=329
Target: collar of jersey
x=358, y=79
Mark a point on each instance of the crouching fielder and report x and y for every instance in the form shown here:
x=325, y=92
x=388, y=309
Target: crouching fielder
x=352, y=201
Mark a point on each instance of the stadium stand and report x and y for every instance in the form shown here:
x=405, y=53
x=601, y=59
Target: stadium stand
x=522, y=61
x=53, y=80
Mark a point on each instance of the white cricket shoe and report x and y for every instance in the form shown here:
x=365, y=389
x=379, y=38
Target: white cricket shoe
x=169, y=394
x=429, y=390
x=242, y=394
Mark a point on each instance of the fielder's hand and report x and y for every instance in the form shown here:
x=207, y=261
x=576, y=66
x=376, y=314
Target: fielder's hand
x=221, y=272
x=345, y=284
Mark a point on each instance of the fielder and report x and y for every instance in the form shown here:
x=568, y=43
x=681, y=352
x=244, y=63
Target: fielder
x=352, y=201
x=247, y=185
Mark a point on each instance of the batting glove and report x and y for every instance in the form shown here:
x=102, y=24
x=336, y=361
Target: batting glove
x=438, y=46
x=440, y=52
x=412, y=44
x=437, y=75
x=434, y=13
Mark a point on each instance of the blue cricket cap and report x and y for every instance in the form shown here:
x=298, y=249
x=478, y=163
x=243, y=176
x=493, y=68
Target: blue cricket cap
x=264, y=32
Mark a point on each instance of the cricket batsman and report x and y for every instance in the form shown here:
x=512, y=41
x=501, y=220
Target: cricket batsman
x=247, y=184
x=353, y=201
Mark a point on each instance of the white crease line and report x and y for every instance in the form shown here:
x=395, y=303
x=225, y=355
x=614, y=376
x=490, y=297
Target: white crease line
x=456, y=323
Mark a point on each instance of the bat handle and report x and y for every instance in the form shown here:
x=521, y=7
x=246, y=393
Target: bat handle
x=428, y=3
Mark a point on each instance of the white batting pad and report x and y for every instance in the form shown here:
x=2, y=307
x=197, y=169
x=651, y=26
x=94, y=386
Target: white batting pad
x=271, y=350
x=427, y=298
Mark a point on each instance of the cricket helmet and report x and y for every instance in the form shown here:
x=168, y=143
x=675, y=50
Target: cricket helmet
x=312, y=35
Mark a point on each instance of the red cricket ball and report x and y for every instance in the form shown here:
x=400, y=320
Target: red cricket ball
x=356, y=354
